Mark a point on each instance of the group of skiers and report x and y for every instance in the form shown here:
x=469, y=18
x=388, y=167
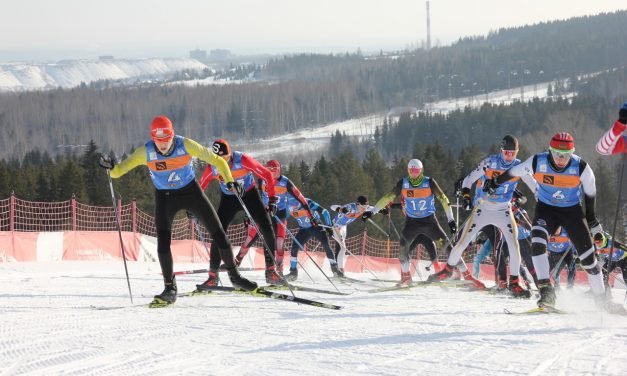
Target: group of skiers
x=559, y=179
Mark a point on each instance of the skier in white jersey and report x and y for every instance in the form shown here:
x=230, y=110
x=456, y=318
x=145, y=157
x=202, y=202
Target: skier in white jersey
x=492, y=209
x=347, y=214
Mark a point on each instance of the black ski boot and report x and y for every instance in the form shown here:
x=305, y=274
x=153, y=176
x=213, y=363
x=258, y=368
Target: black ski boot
x=240, y=282
x=547, y=294
x=337, y=272
x=293, y=275
x=168, y=296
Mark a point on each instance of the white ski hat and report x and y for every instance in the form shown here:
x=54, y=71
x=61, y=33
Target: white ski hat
x=414, y=164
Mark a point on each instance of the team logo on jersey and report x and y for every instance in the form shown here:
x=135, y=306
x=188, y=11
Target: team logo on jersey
x=160, y=166
x=180, y=152
x=542, y=168
x=548, y=179
x=572, y=170
x=152, y=155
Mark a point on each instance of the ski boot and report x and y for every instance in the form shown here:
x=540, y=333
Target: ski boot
x=292, y=276
x=240, y=282
x=212, y=281
x=167, y=297
x=547, y=294
x=516, y=289
x=441, y=275
x=274, y=278
x=437, y=266
x=405, y=280
x=337, y=272
x=475, y=283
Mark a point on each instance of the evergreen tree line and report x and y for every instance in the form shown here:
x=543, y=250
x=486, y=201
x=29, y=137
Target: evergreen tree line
x=335, y=180
x=306, y=90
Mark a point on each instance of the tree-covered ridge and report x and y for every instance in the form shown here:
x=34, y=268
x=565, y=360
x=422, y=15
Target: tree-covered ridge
x=449, y=146
x=310, y=89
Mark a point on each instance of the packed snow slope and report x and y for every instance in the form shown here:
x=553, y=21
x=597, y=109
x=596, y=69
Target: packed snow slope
x=48, y=327
x=71, y=73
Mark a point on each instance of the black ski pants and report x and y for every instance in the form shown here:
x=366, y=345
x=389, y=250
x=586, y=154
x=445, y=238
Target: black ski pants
x=190, y=198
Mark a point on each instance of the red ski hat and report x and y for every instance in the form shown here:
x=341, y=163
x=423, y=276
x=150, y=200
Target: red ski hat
x=161, y=129
x=273, y=164
x=562, y=141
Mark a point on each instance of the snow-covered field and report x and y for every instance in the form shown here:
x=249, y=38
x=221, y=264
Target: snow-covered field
x=48, y=328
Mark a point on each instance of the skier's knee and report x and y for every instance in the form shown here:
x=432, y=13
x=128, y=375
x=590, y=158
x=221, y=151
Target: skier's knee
x=539, y=240
x=589, y=262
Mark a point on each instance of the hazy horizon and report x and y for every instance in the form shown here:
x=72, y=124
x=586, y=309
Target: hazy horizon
x=73, y=29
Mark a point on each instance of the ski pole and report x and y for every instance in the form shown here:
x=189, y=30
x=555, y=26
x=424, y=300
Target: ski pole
x=253, y=223
x=377, y=227
x=553, y=272
x=202, y=239
x=117, y=221
x=358, y=259
x=287, y=230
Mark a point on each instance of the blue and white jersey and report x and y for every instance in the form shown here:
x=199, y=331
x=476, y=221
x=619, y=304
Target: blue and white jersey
x=523, y=232
x=301, y=215
x=559, y=243
x=354, y=212
x=173, y=171
x=491, y=167
x=562, y=189
x=239, y=172
x=618, y=253
x=418, y=201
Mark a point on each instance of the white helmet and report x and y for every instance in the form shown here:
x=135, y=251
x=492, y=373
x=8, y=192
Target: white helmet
x=414, y=166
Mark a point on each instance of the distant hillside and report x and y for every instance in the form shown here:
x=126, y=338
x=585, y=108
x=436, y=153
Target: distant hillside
x=72, y=73
x=306, y=91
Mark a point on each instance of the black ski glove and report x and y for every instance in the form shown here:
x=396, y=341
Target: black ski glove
x=467, y=202
x=453, y=226
x=272, y=205
x=235, y=187
x=366, y=215
x=490, y=186
x=106, y=162
x=622, y=114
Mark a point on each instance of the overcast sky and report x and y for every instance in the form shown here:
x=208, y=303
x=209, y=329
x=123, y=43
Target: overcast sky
x=32, y=29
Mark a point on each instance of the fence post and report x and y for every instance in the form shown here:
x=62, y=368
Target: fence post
x=12, y=212
x=193, y=233
x=120, y=212
x=73, y=204
x=363, y=250
x=12, y=222
x=134, y=216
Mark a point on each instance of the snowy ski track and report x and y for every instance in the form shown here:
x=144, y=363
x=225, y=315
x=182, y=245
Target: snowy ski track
x=47, y=327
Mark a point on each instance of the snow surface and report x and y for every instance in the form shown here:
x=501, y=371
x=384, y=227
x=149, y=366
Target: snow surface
x=48, y=328
x=71, y=73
